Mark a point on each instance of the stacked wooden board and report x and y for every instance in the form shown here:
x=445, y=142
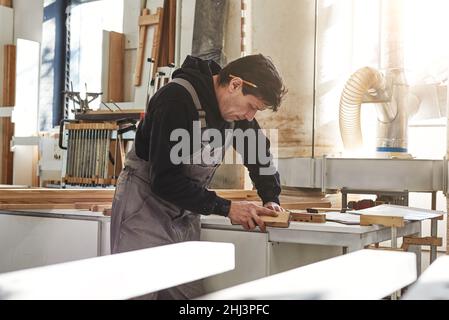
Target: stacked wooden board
x=40, y=198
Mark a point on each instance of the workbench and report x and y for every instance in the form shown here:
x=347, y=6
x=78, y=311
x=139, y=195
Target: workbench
x=263, y=254
x=32, y=238
x=361, y=275
x=120, y=276
x=433, y=284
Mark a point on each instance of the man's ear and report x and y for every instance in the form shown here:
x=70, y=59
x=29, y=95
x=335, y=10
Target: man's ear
x=235, y=84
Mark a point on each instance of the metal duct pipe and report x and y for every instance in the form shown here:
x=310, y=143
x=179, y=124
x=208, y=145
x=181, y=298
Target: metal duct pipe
x=208, y=32
x=392, y=96
x=392, y=34
x=392, y=133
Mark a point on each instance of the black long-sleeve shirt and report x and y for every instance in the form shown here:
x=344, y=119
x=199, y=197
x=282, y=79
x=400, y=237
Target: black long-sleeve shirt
x=172, y=108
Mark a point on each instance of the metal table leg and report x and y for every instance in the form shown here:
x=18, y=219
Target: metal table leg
x=434, y=234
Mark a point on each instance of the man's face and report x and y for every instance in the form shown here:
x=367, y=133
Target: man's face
x=234, y=106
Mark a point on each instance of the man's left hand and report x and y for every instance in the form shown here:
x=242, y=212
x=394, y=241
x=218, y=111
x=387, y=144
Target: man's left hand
x=274, y=206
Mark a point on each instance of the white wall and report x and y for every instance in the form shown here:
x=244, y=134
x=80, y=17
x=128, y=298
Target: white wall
x=28, y=17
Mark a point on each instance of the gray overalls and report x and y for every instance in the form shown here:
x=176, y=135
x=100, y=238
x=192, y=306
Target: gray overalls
x=141, y=219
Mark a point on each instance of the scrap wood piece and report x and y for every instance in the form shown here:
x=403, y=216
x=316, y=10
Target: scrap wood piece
x=387, y=221
x=99, y=208
x=318, y=210
x=299, y=216
x=281, y=221
x=418, y=241
x=89, y=205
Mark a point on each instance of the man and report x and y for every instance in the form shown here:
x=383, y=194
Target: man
x=159, y=200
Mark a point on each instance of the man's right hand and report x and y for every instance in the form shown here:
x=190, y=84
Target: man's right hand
x=248, y=215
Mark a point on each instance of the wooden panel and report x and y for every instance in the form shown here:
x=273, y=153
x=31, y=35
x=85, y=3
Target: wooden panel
x=6, y=3
x=116, y=67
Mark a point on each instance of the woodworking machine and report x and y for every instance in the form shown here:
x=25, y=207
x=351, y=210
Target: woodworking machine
x=96, y=143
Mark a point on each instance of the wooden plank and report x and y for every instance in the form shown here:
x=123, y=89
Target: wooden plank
x=9, y=100
x=116, y=86
x=9, y=75
x=426, y=241
x=168, y=37
x=141, y=51
x=304, y=205
x=6, y=3
x=236, y=194
x=172, y=32
x=281, y=221
x=92, y=196
x=35, y=206
x=387, y=221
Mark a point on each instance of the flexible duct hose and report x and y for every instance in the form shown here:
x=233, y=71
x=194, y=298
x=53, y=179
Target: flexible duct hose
x=365, y=81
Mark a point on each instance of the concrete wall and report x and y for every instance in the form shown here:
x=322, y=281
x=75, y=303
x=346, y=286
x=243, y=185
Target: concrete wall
x=284, y=30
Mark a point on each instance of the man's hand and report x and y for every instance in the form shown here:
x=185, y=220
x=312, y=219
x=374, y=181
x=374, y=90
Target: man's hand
x=274, y=206
x=248, y=215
